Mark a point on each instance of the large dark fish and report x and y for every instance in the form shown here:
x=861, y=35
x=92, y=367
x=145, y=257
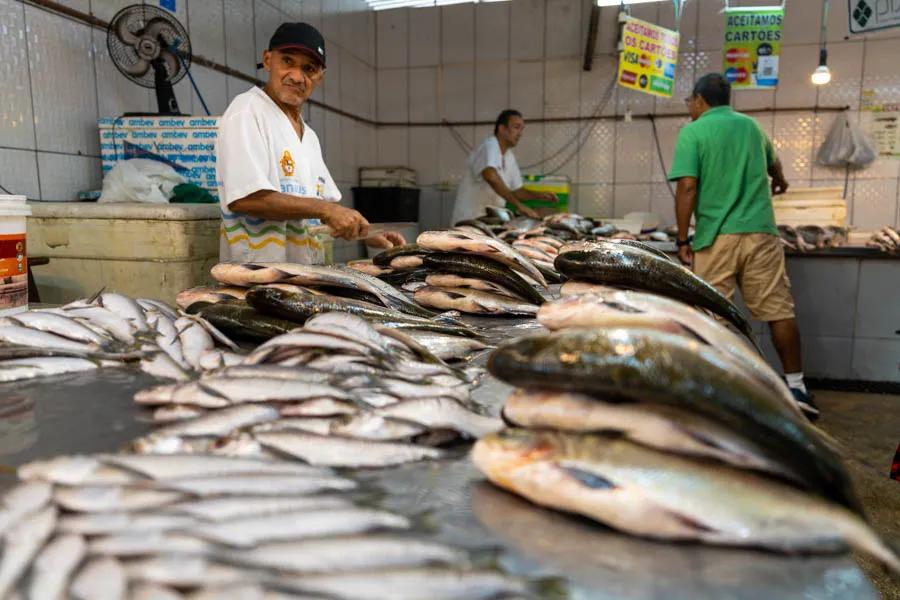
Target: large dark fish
x=299, y=307
x=398, y=278
x=644, y=365
x=471, y=265
x=239, y=320
x=619, y=265
x=250, y=274
x=384, y=259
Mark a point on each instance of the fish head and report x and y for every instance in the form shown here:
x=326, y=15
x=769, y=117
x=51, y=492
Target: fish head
x=510, y=449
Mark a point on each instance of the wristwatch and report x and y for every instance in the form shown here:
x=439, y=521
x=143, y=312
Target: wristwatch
x=680, y=243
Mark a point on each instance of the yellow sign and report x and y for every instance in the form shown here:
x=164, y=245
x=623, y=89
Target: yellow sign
x=648, y=60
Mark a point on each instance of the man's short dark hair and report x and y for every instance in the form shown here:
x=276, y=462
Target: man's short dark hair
x=714, y=88
x=504, y=117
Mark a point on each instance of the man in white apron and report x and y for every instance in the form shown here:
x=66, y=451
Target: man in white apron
x=492, y=176
x=273, y=182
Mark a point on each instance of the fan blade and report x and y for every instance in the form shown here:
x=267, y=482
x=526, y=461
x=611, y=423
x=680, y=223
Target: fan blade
x=124, y=34
x=138, y=69
x=173, y=65
x=156, y=26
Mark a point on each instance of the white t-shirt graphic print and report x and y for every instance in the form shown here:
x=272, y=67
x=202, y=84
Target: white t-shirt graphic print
x=258, y=149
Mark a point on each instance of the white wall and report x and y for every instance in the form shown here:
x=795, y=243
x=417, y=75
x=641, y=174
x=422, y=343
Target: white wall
x=467, y=62
x=56, y=79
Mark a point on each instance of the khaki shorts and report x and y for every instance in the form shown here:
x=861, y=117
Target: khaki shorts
x=754, y=262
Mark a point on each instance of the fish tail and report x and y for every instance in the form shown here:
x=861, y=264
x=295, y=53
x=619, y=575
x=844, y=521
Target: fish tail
x=864, y=539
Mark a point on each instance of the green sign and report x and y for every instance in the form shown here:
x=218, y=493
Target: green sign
x=752, y=46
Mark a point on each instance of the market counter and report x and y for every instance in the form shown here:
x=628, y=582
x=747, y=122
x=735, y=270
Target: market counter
x=848, y=312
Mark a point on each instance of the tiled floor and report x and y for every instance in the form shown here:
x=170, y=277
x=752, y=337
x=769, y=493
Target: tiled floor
x=869, y=427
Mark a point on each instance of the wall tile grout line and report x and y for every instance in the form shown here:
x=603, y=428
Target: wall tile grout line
x=37, y=162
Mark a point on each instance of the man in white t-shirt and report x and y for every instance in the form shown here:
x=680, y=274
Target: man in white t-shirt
x=492, y=175
x=273, y=182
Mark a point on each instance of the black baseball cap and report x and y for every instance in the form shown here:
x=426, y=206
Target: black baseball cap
x=302, y=36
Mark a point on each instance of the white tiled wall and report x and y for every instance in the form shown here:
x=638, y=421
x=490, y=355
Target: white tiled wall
x=468, y=62
x=56, y=79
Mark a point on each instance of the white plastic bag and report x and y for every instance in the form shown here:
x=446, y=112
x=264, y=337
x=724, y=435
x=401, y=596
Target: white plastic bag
x=140, y=180
x=846, y=144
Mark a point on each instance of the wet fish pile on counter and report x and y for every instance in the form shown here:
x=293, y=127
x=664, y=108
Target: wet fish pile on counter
x=109, y=330
x=887, y=239
x=116, y=526
x=646, y=415
x=336, y=392
x=806, y=238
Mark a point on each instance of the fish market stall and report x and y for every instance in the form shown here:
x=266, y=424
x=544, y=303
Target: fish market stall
x=336, y=431
x=94, y=412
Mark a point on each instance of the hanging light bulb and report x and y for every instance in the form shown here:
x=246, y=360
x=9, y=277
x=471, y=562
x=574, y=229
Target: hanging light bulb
x=822, y=75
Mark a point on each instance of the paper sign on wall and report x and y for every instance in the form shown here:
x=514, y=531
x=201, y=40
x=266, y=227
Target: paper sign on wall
x=752, y=46
x=885, y=132
x=647, y=63
x=872, y=15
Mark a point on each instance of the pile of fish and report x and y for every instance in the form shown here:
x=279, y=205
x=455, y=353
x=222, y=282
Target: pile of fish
x=109, y=330
x=337, y=392
x=807, y=238
x=887, y=239
x=116, y=526
x=653, y=418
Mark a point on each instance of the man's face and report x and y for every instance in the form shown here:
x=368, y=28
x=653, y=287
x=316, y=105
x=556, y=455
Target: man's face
x=512, y=133
x=293, y=75
x=695, y=106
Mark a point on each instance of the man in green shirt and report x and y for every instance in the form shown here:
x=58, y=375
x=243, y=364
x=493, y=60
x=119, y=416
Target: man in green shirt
x=722, y=163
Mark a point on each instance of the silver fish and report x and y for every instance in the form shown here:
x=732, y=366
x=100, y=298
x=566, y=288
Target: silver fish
x=109, y=498
x=246, y=389
x=119, y=328
x=20, y=545
x=195, y=340
x=102, y=578
x=125, y=307
x=176, y=412
x=446, y=347
x=645, y=492
x=374, y=427
x=450, y=280
x=23, y=500
x=60, y=325
x=293, y=526
x=478, y=243
x=318, y=407
x=343, y=452
x=443, y=413
x=240, y=507
x=25, y=336
x=473, y=302
x=163, y=366
x=54, y=566
x=147, y=543
x=272, y=485
x=150, y=304
x=351, y=553
x=76, y=470
x=184, y=571
x=167, y=336
x=183, y=466
x=121, y=522
x=46, y=366
x=665, y=428
x=409, y=584
x=220, y=422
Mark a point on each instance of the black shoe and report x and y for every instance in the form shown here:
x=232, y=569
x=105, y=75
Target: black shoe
x=806, y=404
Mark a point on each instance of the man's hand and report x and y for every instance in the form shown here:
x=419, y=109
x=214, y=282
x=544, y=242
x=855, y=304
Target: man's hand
x=386, y=240
x=779, y=185
x=526, y=211
x=548, y=197
x=345, y=223
x=686, y=255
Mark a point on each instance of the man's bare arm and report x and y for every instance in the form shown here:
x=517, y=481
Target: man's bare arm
x=779, y=183
x=494, y=180
x=268, y=204
x=685, y=200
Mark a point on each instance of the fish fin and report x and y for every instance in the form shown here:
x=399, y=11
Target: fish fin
x=253, y=267
x=454, y=295
x=211, y=391
x=591, y=480
x=97, y=295
x=689, y=522
x=550, y=588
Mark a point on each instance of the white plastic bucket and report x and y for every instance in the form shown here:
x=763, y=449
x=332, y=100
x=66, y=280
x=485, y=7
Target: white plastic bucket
x=13, y=255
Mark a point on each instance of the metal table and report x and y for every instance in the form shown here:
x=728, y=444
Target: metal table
x=94, y=412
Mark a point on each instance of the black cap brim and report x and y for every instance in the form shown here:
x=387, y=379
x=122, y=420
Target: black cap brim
x=305, y=49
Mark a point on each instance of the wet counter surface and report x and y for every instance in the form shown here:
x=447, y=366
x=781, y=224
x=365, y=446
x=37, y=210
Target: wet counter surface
x=94, y=412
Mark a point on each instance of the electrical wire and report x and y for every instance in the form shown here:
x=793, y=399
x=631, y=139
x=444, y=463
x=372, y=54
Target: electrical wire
x=6, y=190
x=659, y=154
